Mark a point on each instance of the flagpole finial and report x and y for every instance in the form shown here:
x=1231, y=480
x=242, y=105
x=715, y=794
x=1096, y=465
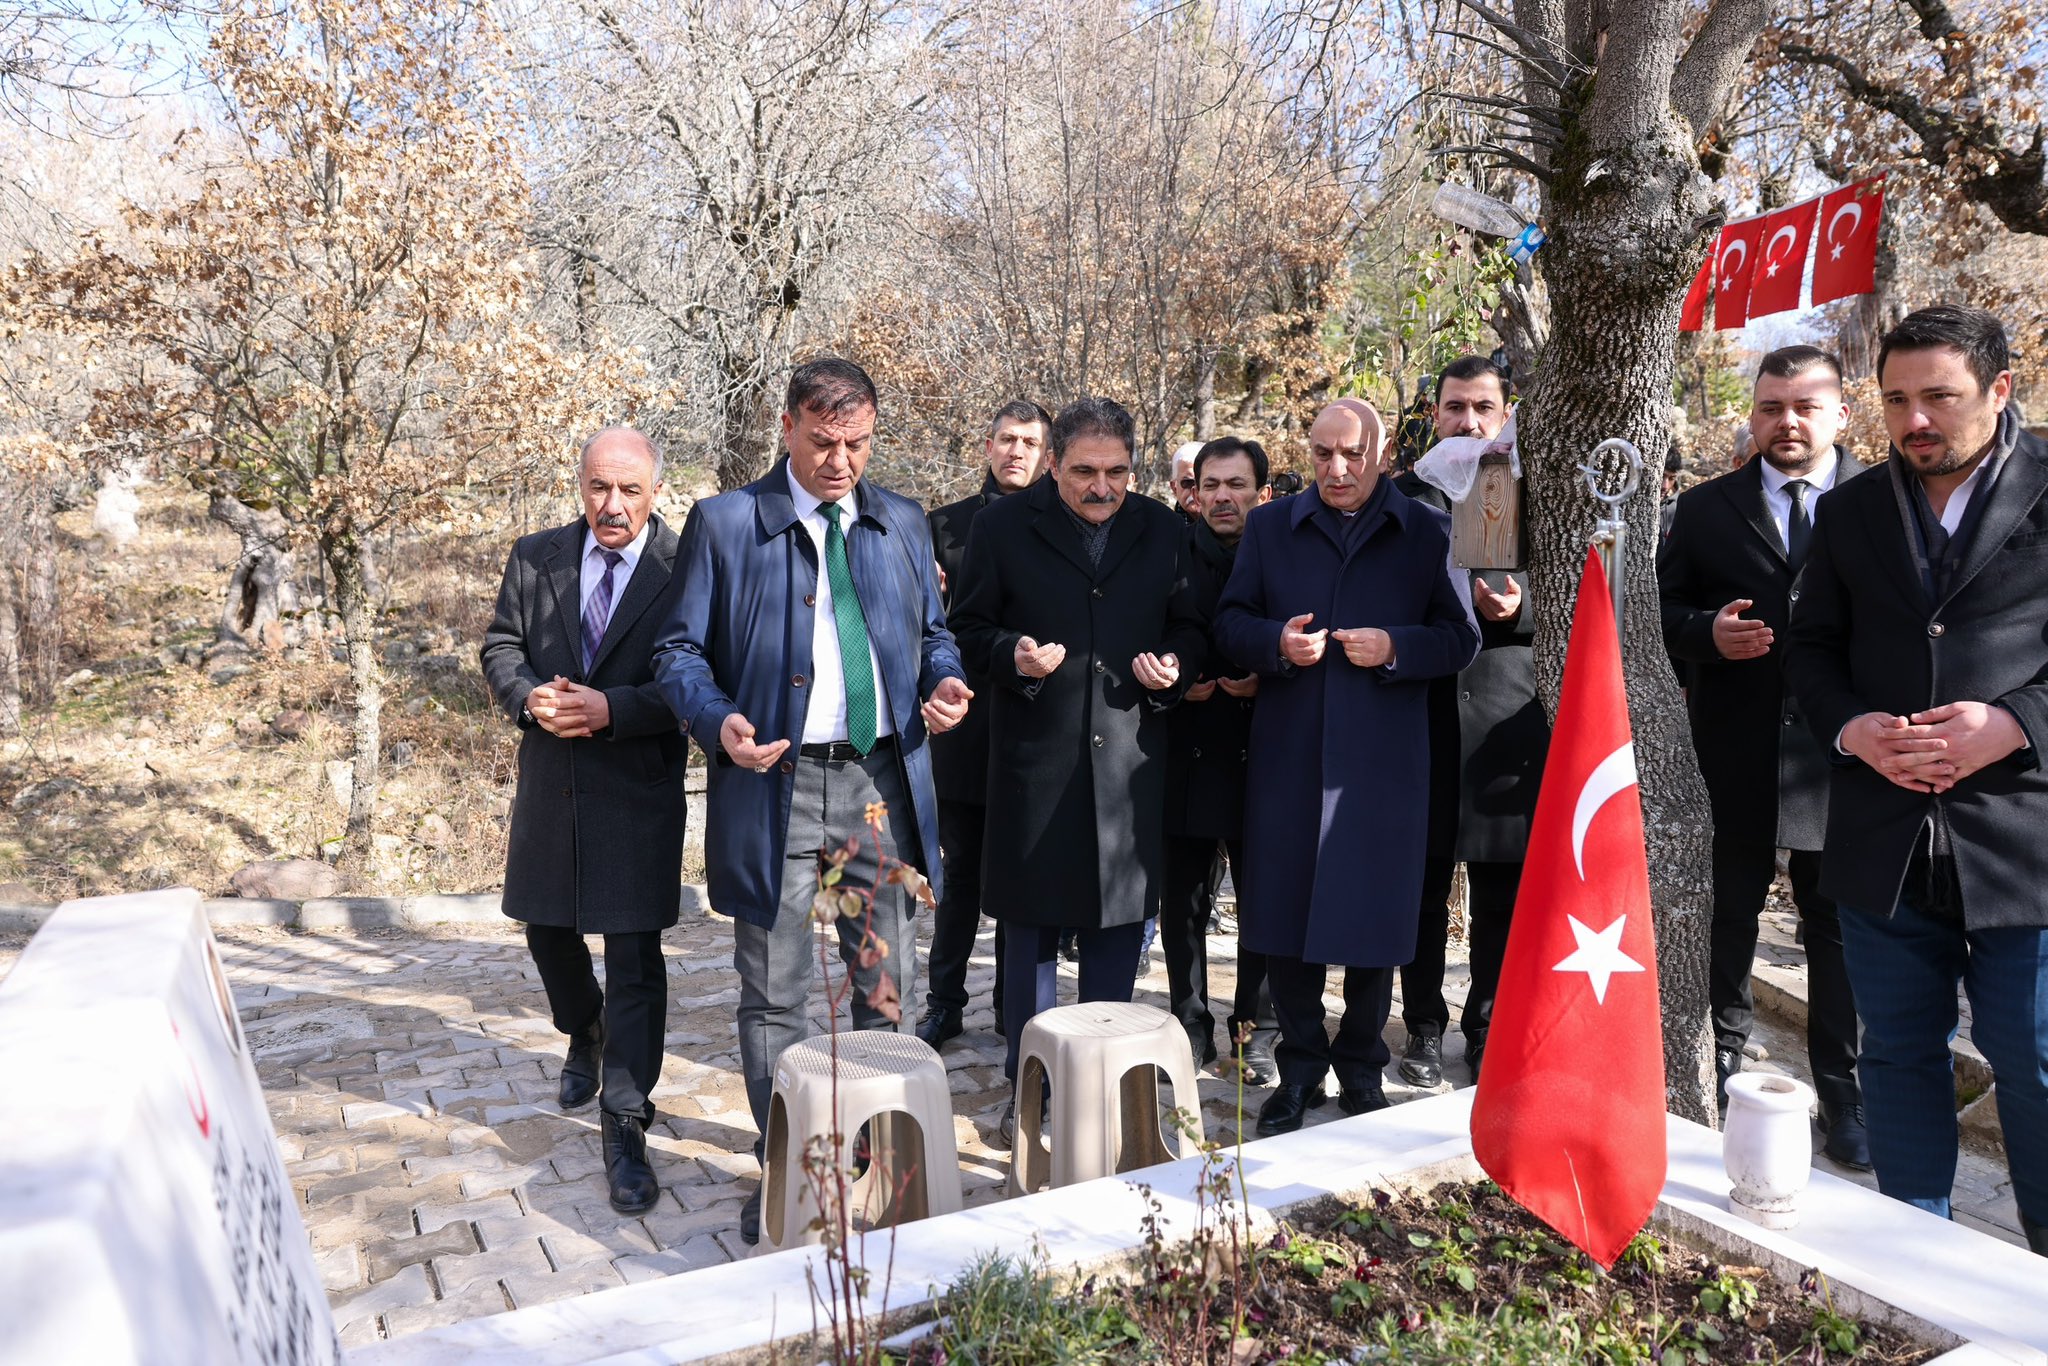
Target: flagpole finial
x=1610, y=533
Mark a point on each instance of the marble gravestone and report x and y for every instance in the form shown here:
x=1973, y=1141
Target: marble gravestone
x=145, y=1215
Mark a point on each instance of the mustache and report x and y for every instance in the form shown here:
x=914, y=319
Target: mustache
x=617, y=519
x=1099, y=498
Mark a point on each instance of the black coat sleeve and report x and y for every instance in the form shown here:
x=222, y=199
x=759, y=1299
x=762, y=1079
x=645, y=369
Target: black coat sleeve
x=506, y=668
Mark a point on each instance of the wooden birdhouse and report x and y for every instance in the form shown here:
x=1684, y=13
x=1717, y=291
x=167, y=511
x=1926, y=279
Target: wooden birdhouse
x=1486, y=529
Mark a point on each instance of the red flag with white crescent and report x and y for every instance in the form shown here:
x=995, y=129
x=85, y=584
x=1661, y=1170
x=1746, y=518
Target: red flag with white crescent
x=1734, y=263
x=1845, y=250
x=1569, y=1118
x=1781, y=260
x=1693, y=317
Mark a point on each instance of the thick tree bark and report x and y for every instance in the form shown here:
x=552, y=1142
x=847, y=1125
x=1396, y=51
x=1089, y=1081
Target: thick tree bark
x=346, y=558
x=260, y=589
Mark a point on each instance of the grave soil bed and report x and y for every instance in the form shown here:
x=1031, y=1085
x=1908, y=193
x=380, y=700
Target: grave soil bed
x=1455, y=1275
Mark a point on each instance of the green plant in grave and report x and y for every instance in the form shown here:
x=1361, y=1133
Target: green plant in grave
x=1451, y=1261
x=1298, y=1252
x=1727, y=1296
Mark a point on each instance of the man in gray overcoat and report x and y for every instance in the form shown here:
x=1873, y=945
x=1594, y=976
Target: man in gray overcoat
x=597, y=826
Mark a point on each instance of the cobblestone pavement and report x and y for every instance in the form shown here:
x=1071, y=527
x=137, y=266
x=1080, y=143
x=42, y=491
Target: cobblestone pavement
x=411, y=1079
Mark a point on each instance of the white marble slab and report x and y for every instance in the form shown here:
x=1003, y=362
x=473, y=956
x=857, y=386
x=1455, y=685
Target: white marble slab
x=1980, y=1290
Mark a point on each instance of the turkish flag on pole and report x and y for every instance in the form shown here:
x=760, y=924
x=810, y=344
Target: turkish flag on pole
x=1845, y=261
x=1781, y=264
x=1693, y=317
x=1569, y=1118
x=1734, y=261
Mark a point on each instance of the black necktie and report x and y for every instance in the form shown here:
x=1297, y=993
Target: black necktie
x=1798, y=527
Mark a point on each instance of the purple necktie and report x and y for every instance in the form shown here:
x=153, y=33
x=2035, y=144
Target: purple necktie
x=597, y=613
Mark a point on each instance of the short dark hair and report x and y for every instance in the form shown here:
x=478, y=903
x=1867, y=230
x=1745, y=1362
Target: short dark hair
x=1674, y=460
x=1089, y=416
x=1472, y=367
x=1789, y=362
x=1019, y=410
x=830, y=387
x=1224, y=447
x=1980, y=336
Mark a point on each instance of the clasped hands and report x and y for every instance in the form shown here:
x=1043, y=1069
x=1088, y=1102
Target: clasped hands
x=1932, y=751
x=568, y=710
x=943, y=710
x=1366, y=646
x=1154, y=672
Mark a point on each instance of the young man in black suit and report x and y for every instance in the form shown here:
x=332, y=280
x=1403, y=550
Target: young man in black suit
x=1728, y=574
x=1920, y=659
x=1016, y=457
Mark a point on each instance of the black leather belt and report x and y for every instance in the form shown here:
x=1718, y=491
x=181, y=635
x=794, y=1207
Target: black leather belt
x=842, y=751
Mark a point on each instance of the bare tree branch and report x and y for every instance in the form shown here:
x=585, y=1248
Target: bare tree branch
x=1718, y=55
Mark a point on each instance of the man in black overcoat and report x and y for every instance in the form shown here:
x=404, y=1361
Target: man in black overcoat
x=1016, y=457
x=1075, y=599
x=1920, y=660
x=1209, y=739
x=1488, y=737
x=1728, y=574
x=596, y=845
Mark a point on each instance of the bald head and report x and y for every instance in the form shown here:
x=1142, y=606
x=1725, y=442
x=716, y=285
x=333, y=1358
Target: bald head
x=1344, y=445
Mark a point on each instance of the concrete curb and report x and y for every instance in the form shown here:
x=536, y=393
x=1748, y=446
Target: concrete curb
x=339, y=913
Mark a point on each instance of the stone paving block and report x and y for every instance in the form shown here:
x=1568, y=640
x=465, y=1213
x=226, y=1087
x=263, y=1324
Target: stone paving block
x=671, y=1225
x=494, y=1115
x=445, y=1096
x=699, y=1252
x=360, y=1332
x=620, y=1234
x=474, y=1303
x=478, y=1184
x=456, y=1164
x=410, y=1286
x=561, y=1284
x=340, y=1267
x=388, y=1258
x=438, y=1215
x=458, y=1275
x=361, y=1113
x=728, y=1166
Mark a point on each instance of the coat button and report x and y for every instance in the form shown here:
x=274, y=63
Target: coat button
x=1095, y=592
x=1098, y=742
x=1795, y=595
x=810, y=599
x=1243, y=755
x=568, y=792
x=796, y=680
x=1098, y=666
x=787, y=766
x=1788, y=718
x=1197, y=754
x=1935, y=628
x=1465, y=696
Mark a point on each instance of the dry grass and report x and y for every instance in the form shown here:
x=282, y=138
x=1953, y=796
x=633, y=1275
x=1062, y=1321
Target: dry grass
x=182, y=780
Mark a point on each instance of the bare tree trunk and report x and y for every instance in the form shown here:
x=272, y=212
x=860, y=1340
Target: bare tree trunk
x=1607, y=374
x=262, y=586
x=745, y=441
x=346, y=556
x=10, y=653
x=1205, y=393
x=42, y=632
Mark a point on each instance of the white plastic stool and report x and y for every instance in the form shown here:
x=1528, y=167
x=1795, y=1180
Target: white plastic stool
x=896, y=1086
x=1103, y=1059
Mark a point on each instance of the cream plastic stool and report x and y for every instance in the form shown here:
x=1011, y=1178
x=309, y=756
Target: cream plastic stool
x=896, y=1086
x=1103, y=1059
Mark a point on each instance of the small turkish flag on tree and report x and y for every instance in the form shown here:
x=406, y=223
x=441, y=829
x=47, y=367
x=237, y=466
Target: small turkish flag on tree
x=1845, y=261
x=1734, y=263
x=1693, y=317
x=1569, y=1118
x=1781, y=262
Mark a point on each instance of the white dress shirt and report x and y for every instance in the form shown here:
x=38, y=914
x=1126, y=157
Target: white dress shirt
x=1959, y=501
x=593, y=571
x=1778, y=502
x=825, y=713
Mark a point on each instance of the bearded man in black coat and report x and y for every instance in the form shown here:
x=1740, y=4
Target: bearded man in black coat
x=1075, y=599
x=596, y=845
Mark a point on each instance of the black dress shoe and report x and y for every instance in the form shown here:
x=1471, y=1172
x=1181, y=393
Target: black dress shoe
x=750, y=1218
x=938, y=1024
x=1256, y=1055
x=1203, y=1049
x=1361, y=1100
x=1282, y=1112
x=1422, y=1062
x=1727, y=1062
x=581, y=1068
x=1006, y=1127
x=1847, y=1142
x=2037, y=1235
x=633, y=1188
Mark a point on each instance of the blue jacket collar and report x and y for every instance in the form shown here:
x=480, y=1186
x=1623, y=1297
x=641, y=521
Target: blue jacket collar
x=777, y=512
x=1398, y=505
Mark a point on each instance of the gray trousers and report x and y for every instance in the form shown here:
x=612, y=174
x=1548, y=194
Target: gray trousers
x=779, y=966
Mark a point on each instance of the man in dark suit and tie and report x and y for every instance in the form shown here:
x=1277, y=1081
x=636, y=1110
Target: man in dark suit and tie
x=596, y=845
x=1016, y=457
x=1728, y=573
x=808, y=654
x=1920, y=658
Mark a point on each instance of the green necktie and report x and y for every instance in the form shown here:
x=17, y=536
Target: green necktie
x=854, y=659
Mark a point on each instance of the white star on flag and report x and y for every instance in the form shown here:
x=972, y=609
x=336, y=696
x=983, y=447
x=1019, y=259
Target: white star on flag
x=1771, y=269
x=1599, y=955
x=1836, y=254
